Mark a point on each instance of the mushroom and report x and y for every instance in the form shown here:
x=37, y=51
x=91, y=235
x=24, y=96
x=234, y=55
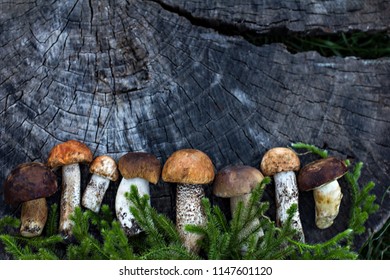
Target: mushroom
x=104, y=170
x=30, y=184
x=321, y=177
x=281, y=163
x=237, y=182
x=190, y=169
x=68, y=155
x=139, y=169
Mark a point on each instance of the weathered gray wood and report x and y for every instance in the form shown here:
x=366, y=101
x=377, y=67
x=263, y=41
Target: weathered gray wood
x=135, y=76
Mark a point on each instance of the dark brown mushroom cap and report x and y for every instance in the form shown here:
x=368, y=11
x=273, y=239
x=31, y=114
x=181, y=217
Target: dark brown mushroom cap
x=140, y=165
x=236, y=180
x=69, y=152
x=279, y=159
x=320, y=172
x=29, y=181
x=188, y=166
x=105, y=166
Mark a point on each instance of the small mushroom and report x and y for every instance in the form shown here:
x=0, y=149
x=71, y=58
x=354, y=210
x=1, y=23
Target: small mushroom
x=30, y=184
x=190, y=169
x=321, y=177
x=104, y=170
x=281, y=163
x=68, y=155
x=139, y=169
x=237, y=182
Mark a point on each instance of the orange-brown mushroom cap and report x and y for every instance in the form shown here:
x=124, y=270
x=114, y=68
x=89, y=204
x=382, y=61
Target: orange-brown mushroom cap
x=69, y=152
x=320, y=172
x=105, y=166
x=29, y=181
x=279, y=159
x=188, y=166
x=236, y=180
x=140, y=165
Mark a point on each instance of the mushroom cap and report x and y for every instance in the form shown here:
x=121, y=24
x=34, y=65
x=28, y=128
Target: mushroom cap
x=236, y=180
x=320, y=172
x=279, y=159
x=105, y=166
x=188, y=166
x=140, y=165
x=69, y=152
x=29, y=181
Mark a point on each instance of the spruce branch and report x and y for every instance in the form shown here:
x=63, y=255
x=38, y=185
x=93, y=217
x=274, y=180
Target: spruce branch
x=311, y=149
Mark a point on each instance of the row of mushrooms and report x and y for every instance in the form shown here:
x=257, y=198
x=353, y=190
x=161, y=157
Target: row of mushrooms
x=30, y=184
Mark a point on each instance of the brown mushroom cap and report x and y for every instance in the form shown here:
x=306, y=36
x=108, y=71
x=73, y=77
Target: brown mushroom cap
x=188, y=166
x=69, y=152
x=140, y=165
x=320, y=172
x=236, y=180
x=105, y=166
x=279, y=159
x=29, y=181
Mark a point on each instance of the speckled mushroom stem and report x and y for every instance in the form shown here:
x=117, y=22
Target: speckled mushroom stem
x=122, y=204
x=70, y=196
x=33, y=217
x=94, y=192
x=327, y=201
x=189, y=210
x=286, y=191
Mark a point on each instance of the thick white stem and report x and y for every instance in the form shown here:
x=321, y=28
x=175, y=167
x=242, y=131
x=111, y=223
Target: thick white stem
x=327, y=199
x=286, y=191
x=70, y=196
x=94, y=192
x=255, y=223
x=33, y=217
x=189, y=211
x=122, y=204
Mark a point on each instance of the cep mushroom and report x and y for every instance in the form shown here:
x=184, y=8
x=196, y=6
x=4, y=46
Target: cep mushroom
x=68, y=155
x=30, y=184
x=139, y=169
x=281, y=163
x=237, y=182
x=190, y=169
x=104, y=170
x=321, y=177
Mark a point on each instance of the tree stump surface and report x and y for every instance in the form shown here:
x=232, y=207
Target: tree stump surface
x=158, y=76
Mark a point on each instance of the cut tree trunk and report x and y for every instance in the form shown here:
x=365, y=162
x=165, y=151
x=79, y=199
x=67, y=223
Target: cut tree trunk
x=158, y=76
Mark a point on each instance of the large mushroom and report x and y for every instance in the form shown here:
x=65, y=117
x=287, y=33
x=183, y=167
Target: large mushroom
x=321, y=177
x=190, y=169
x=281, y=163
x=139, y=169
x=237, y=182
x=69, y=155
x=30, y=184
x=104, y=170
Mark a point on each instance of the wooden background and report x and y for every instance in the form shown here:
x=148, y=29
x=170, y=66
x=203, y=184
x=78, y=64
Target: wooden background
x=158, y=76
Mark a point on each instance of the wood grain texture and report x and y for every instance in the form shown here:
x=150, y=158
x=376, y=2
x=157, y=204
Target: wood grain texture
x=126, y=76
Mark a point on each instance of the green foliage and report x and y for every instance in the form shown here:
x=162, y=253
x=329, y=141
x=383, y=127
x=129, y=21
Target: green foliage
x=310, y=148
x=377, y=246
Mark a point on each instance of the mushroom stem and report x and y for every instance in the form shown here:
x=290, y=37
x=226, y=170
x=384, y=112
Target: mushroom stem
x=189, y=210
x=327, y=200
x=94, y=192
x=33, y=217
x=122, y=204
x=286, y=191
x=70, y=196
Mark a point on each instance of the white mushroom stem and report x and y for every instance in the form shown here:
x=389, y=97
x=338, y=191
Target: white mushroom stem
x=189, y=211
x=70, y=196
x=286, y=191
x=122, y=204
x=327, y=200
x=94, y=192
x=255, y=223
x=33, y=217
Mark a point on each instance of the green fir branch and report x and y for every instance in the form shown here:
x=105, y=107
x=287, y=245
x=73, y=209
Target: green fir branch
x=311, y=149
